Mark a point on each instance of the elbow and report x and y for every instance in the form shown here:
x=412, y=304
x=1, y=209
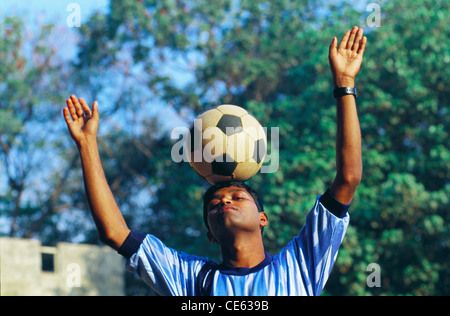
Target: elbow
x=350, y=178
x=352, y=181
x=108, y=240
x=353, y=178
x=113, y=239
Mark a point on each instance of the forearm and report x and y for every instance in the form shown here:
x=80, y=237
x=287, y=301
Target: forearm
x=348, y=147
x=110, y=223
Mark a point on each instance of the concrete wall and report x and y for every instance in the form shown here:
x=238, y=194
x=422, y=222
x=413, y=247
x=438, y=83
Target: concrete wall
x=79, y=269
x=20, y=266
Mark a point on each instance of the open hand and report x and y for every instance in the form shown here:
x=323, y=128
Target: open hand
x=82, y=122
x=346, y=59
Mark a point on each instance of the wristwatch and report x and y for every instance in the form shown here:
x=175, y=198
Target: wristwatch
x=340, y=92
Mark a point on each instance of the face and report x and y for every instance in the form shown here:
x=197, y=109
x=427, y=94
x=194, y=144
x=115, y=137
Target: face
x=231, y=210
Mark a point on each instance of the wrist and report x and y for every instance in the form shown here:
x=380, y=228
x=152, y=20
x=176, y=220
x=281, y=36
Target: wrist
x=343, y=81
x=86, y=143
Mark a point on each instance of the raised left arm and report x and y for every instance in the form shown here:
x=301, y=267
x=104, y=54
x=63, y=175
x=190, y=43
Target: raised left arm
x=345, y=62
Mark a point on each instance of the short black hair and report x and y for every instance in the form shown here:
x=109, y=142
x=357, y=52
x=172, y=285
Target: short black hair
x=207, y=197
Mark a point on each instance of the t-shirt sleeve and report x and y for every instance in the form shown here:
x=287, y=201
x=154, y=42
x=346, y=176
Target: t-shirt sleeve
x=316, y=247
x=165, y=270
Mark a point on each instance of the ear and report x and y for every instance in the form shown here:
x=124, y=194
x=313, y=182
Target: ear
x=263, y=219
x=211, y=238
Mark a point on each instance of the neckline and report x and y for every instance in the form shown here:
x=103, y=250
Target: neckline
x=231, y=270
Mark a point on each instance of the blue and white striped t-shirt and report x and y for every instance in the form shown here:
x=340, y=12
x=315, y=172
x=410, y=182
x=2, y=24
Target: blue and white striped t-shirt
x=301, y=268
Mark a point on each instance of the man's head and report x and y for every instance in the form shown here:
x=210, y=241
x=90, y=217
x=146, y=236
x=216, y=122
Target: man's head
x=232, y=206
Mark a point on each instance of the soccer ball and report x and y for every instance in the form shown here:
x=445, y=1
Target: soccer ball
x=226, y=143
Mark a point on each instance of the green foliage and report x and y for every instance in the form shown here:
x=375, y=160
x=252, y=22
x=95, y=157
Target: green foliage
x=32, y=78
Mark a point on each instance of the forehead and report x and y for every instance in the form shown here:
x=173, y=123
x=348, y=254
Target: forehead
x=228, y=190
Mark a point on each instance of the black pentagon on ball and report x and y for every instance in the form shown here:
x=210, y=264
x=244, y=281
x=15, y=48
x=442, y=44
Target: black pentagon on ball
x=224, y=165
x=260, y=150
x=230, y=124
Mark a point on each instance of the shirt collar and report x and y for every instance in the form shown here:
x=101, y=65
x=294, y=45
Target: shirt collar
x=231, y=270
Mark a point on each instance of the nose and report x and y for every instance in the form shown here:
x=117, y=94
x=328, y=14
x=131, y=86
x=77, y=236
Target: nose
x=225, y=200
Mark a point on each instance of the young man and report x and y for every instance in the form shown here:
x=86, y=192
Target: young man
x=233, y=212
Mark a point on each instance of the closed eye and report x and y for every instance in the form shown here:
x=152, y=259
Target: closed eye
x=239, y=196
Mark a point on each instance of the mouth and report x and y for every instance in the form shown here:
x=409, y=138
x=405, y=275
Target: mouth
x=227, y=208
x=224, y=212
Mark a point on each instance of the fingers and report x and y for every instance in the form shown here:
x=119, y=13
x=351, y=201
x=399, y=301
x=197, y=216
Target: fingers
x=73, y=112
x=333, y=47
x=78, y=107
x=344, y=41
x=351, y=39
x=362, y=47
x=67, y=116
x=95, y=110
x=357, y=41
x=85, y=107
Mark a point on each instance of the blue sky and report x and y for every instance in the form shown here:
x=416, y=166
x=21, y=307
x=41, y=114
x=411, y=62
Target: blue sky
x=56, y=11
x=51, y=10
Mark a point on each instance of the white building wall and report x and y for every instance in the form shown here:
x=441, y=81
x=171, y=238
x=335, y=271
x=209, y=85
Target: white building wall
x=79, y=269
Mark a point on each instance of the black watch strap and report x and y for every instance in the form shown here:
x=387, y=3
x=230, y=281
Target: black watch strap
x=340, y=92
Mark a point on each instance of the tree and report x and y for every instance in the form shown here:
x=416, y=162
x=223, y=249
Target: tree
x=33, y=77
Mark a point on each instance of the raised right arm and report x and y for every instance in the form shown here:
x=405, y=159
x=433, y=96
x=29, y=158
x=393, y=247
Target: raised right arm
x=83, y=125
